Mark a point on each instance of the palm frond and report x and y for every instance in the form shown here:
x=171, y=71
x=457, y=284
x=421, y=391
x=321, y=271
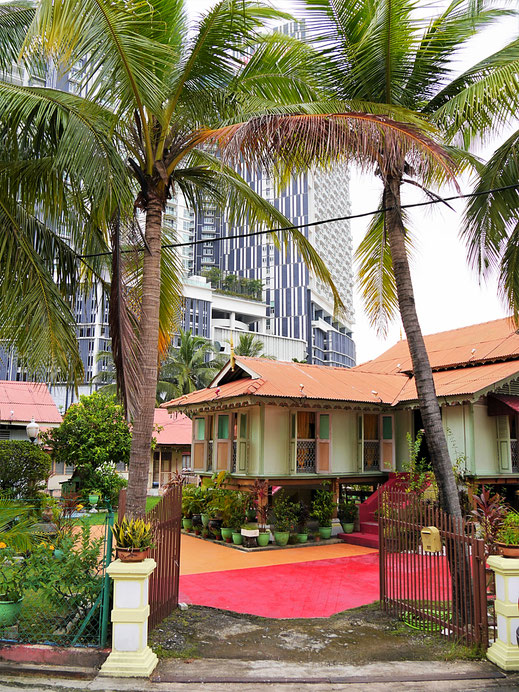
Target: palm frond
x=15, y=18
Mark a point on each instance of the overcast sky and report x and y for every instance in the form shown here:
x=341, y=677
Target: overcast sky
x=448, y=294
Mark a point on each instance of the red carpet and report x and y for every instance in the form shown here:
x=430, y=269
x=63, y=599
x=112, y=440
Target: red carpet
x=302, y=590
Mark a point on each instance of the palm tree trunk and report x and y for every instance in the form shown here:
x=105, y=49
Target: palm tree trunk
x=429, y=407
x=149, y=340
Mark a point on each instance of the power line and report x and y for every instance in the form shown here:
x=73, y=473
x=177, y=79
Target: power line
x=315, y=223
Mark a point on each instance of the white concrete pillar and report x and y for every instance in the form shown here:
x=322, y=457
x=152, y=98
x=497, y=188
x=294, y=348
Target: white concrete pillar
x=131, y=656
x=504, y=652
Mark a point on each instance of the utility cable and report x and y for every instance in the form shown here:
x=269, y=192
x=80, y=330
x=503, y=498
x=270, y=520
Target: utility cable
x=311, y=224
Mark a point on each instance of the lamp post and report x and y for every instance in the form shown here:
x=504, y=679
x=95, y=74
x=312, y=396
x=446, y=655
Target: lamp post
x=32, y=430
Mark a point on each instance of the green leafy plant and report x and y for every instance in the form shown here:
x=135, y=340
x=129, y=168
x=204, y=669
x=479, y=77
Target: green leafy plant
x=323, y=505
x=285, y=512
x=259, y=495
x=12, y=575
x=489, y=512
x=509, y=531
x=16, y=524
x=135, y=534
x=347, y=511
x=303, y=515
x=24, y=468
x=420, y=475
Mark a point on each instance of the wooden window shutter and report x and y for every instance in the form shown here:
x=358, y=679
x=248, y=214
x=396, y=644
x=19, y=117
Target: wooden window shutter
x=503, y=443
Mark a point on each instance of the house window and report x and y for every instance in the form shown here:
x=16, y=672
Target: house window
x=324, y=426
x=186, y=461
x=223, y=427
x=371, y=442
x=306, y=446
x=199, y=428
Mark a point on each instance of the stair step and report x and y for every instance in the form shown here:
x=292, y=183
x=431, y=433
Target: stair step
x=368, y=540
x=369, y=527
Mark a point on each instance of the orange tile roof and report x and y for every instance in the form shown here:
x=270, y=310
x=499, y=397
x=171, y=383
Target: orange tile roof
x=380, y=381
x=176, y=428
x=25, y=400
x=496, y=340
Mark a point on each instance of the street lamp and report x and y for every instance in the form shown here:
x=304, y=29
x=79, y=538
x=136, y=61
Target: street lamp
x=32, y=430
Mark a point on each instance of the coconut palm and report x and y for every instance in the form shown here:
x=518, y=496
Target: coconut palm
x=380, y=52
x=180, y=102
x=189, y=366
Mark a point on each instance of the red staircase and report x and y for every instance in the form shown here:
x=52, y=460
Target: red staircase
x=368, y=534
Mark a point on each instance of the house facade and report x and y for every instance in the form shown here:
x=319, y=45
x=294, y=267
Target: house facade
x=172, y=448
x=297, y=424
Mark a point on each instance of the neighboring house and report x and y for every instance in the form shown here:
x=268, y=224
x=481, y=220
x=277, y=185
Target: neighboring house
x=172, y=451
x=297, y=425
x=19, y=403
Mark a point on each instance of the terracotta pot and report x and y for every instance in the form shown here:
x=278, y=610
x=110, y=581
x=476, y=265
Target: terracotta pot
x=508, y=550
x=129, y=555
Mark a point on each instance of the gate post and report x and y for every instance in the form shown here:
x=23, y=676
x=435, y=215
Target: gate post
x=131, y=656
x=505, y=651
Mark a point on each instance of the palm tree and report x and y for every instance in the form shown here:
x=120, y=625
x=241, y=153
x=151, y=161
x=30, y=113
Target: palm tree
x=250, y=346
x=164, y=94
x=379, y=52
x=189, y=366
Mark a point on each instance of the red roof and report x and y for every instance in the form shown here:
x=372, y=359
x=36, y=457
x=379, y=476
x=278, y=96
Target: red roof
x=484, y=355
x=21, y=401
x=489, y=341
x=176, y=428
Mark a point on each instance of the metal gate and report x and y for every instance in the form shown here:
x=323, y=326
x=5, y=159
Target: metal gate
x=443, y=592
x=166, y=518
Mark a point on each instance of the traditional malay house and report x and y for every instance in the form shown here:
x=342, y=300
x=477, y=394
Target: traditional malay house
x=298, y=425
x=172, y=448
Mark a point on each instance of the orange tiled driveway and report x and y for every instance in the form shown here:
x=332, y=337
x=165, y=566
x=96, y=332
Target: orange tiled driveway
x=198, y=557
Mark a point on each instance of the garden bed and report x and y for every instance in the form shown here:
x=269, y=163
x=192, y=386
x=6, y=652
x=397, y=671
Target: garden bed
x=270, y=546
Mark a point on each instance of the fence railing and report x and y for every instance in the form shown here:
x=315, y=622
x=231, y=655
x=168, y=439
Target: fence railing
x=443, y=592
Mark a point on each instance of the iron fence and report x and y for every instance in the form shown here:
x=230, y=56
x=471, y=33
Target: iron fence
x=305, y=456
x=443, y=591
x=59, y=591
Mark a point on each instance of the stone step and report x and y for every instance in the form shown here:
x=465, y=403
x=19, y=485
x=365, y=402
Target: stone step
x=368, y=540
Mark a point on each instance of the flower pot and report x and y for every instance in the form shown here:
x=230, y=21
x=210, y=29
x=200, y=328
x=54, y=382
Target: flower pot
x=317, y=538
x=197, y=532
x=197, y=520
x=226, y=533
x=347, y=528
x=93, y=500
x=237, y=538
x=130, y=555
x=187, y=523
x=263, y=538
x=302, y=537
x=508, y=550
x=281, y=537
x=325, y=532
x=205, y=519
x=9, y=612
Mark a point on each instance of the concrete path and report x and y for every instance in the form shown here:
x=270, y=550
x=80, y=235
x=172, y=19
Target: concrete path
x=315, y=581
x=224, y=675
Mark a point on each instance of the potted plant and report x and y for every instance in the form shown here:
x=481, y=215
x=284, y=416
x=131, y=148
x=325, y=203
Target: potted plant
x=134, y=539
x=508, y=535
x=303, y=514
x=238, y=517
x=12, y=581
x=322, y=510
x=347, y=514
x=259, y=494
x=187, y=514
x=93, y=497
x=285, y=517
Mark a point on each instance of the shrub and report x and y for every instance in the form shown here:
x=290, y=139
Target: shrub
x=347, y=512
x=323, y=505
x=509, y=531
x=24, y=468
x=285, y=512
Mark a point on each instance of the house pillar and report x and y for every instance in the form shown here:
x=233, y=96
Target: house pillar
x=131, y=657
x=504, y=652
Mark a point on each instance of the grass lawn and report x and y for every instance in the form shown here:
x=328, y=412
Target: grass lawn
x=98, y=519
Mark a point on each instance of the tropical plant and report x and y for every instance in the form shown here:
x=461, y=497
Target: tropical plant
x=347, y=511
x=188, y=367
x=383, y=54
x=509, y=531
x=260, y=496
x=323, y=505
x=24, y=468
x=285, y=512
x=303, y=514
x=17, y=524
x=135, y=534
x=250, y=346
x=162, y=96
x=489, y=512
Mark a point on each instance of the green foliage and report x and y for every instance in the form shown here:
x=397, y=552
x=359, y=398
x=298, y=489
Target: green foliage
x=347, y=511
x=509, y=531
x=24, y=468
x=228, y=505
x=12, y=575
x=285, y=512
x=105, y=482
x=194, y=500
x=133, y=533
x=303, y=514
x=94, y=435
x=419, y=470
x=16, y=524
x=323, y=505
